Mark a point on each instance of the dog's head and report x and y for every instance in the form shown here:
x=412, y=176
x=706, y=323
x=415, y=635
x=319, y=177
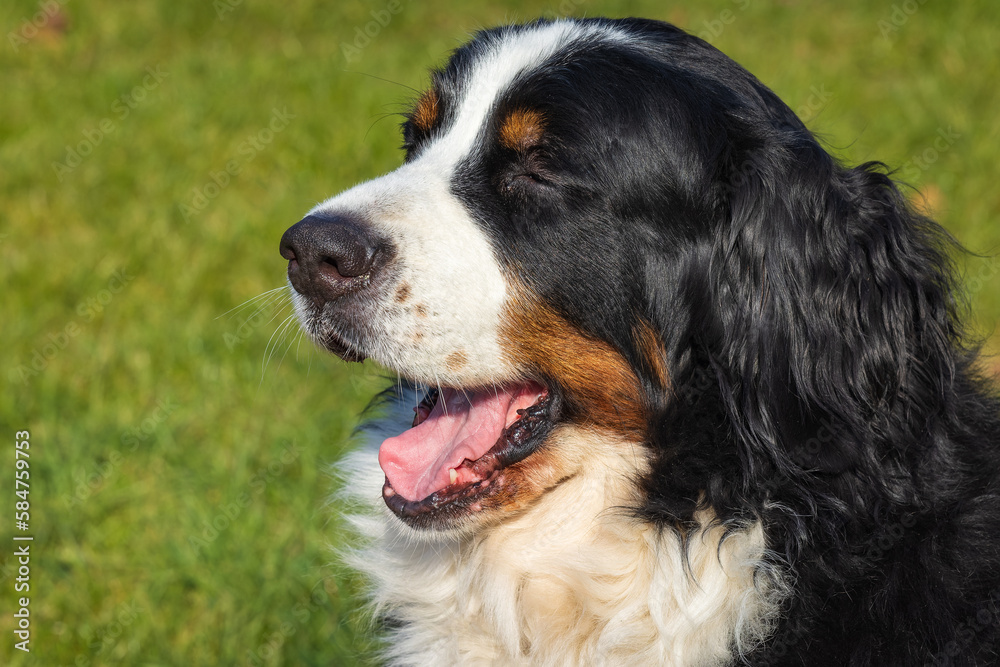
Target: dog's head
x=609, y=225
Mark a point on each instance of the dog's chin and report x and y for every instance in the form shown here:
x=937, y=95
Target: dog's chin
x=468, y=457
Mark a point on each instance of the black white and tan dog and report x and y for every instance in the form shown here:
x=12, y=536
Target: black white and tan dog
x=676, y=386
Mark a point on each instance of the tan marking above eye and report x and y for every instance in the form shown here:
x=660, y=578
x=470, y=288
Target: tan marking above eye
x=522, y=129
x=425, y=113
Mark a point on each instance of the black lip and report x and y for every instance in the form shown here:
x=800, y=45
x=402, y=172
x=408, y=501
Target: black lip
x=342, y=348
x=518, y=442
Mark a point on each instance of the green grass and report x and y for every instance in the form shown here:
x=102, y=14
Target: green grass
x=154, y=411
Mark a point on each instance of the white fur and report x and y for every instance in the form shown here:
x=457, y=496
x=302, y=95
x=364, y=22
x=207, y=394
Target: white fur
x=573, y=580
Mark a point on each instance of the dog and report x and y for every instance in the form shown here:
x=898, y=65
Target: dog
x=676, y=387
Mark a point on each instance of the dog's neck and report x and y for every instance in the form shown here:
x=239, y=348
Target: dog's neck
x=574, y=579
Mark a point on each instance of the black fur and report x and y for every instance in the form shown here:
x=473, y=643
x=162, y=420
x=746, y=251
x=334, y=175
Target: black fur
x=822, y=382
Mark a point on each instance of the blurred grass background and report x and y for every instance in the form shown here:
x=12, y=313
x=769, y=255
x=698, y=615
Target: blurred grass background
x=179, y=447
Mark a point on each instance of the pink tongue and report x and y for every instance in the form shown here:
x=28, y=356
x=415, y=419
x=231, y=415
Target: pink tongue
x=462, y=425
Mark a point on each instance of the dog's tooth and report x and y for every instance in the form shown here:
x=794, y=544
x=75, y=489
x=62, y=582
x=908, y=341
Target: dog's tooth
x=452, y=475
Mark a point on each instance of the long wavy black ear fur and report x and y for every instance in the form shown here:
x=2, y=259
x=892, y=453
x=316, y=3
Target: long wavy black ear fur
x=825, y=387
x=837, y=315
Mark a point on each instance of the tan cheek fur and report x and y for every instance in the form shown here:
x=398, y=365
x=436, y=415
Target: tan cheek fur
x=600, y=385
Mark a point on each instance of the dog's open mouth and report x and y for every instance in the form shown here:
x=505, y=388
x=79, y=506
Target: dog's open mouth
x=461, y=441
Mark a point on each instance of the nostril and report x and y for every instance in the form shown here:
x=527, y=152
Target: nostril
x=331, y=255
x=352, y=260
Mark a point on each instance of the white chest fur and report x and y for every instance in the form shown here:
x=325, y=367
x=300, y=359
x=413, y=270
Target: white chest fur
x=573, y=580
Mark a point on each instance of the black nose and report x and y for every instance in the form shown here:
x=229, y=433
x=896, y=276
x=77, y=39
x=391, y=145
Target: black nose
x=330, y=256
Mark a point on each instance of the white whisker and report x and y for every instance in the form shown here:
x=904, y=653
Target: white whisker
x=269, y=349
x=268, y=297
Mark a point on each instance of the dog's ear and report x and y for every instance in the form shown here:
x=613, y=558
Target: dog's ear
x=834, y=319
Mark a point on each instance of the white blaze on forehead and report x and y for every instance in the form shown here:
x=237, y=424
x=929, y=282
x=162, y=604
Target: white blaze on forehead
x=494, y=70
x=447, y=330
